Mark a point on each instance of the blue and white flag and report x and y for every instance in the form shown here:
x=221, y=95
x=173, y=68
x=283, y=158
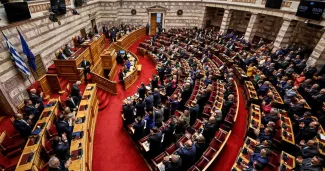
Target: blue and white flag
x=16, y=58
x=29, y=54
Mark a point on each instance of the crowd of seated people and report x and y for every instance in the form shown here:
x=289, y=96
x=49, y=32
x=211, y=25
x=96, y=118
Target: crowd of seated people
x=63, y=122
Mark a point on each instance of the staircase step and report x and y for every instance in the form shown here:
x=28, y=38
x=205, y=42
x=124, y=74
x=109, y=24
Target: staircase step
x=104, y=105
x=103, y=98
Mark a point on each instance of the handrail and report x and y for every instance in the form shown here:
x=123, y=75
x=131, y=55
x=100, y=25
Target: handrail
x=102, y=82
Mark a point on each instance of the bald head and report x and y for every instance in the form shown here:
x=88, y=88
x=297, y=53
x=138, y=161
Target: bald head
x=33, y=90
x=189, y=143
x=175, y=158
x=78, y=83
x=54, y=162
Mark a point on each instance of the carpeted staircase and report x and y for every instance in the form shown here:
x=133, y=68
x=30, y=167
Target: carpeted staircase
x=104, y=98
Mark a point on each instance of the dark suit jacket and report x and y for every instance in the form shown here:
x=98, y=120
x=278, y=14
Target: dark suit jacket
x=85, y=65
x=194, y=112
x=188, y=156
x=63, y=127
x=209, y=131
x=170, y=166
x=140, y=108
x=128, y=113
x=200, y=148
x=37, y=99
x=23, y=129
x=142, y=92
x=62, y=150
x=30, y=110
x=306, y=166
x=138, y=130
x=308, y=152
x=72, y=105
x=155, y=143
x=75, y=91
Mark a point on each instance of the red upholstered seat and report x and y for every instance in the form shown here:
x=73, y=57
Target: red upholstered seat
x=197, y=124
x=8, y=164
x=171, y=149
x=209, y=153
x=8, y=144
x=193, y=168
x=201, y=163
x=48, y=147
x=215, y=144
x=52, y=131
x=159, y=158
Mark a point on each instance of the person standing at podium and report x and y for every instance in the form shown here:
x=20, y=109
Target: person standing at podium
x=86, y=67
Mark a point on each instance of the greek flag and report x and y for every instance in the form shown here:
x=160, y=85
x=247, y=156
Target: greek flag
x=16, y=58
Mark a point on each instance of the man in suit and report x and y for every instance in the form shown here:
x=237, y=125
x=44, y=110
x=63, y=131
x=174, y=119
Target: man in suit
x=309, y=149
x=62, y=148
x=227, y=105
x=156, y=97
x=113, y=35
x=187, y=153
x=72, y=102
x=142, y=91
x=128, y=113
x=138, y=127
x=159, y=115
x=194, y=112
x=168, y=131
x=200, y=146
x=154, y=141
x=75, y=91
x=149, y=102
x=154, y=82
x=31, y=110
x=58, y=165
x=261, y=157
x=140, y=106
x=64, y=126
x=186, y=94
x=105, y=30
x=22, y=126
x=210, y=129
x=310, y=164
x=37, y=99
x=67, y=50
x=172, y=164
x=86, y=68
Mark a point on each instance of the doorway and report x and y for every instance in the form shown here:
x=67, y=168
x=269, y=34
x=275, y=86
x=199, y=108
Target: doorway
x=156, y=20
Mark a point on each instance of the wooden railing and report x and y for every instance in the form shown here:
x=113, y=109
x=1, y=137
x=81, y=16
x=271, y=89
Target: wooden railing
x=127, y=40
x=133, y=76
x=97, y=76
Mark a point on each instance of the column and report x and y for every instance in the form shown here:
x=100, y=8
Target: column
x=318, y=55
x=225, y=21
x=251, y=28
x=285, y=33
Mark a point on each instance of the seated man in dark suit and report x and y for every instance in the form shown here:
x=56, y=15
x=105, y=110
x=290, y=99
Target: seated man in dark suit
x=128, y=112
x=72, y=102
x=62, y=148
x=155, y=145
x=264, y=134
x=22, y=126
x=309, y=149
x=138, y=127
x=261, y=157
x=309, y=164
x=37, y=99
x=67, y=50
x=306, y=132
x=187, y=153
x=172, y=164
x=75, y=91
x=58, y=165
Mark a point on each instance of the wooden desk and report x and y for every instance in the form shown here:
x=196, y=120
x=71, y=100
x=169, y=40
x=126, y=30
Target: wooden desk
x=127, y=40
x=290, y=163
x=249, y=93
x=30, y=158
x=240, y=74
x=255, y=117
x=85, y=143
x=290, y=138
x=133, y=74
x=96, y=46
x=277, y=98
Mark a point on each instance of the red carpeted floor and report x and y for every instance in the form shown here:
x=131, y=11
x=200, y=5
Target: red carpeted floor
x=113, y=149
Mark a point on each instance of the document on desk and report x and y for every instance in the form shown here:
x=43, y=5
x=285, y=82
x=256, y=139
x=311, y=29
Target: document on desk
x=161, y=166
x=322, y=136
x=146, y=146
